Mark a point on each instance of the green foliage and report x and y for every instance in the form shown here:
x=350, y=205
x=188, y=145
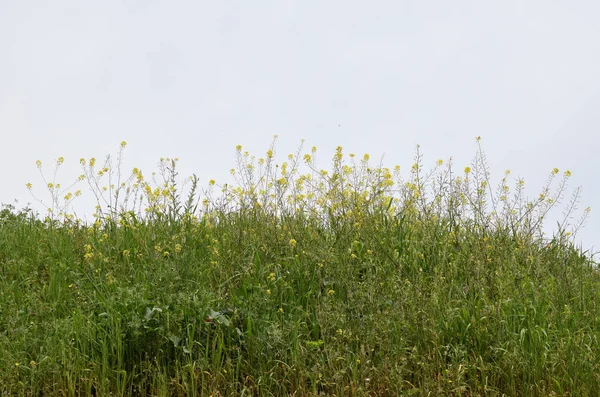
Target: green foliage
x=349, y=282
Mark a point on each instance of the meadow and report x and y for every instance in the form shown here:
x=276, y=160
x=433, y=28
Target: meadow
x=295, y=280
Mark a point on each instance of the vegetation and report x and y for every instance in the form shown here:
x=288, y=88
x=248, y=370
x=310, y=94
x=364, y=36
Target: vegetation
x=350, y=281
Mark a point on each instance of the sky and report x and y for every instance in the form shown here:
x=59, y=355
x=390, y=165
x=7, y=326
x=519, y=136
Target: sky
x=193, y=79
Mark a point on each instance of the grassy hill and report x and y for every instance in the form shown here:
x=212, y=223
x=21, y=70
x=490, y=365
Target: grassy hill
x=350, y=281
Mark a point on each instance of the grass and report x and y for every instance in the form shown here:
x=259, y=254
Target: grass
x=350, y=281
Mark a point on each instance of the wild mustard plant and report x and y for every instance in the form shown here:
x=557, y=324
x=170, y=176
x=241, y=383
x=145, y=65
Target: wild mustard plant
x=60, y=198
x=355, y=279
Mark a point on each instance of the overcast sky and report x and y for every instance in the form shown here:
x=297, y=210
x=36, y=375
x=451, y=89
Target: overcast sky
x=193, y=79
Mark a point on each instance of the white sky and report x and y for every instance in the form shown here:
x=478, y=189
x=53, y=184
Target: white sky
x=194, y=78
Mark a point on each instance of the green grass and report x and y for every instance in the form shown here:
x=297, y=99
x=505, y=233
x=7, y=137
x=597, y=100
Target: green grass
x=347, y=282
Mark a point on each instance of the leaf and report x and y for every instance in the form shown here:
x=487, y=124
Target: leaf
x=175, y=339
x=150, y=312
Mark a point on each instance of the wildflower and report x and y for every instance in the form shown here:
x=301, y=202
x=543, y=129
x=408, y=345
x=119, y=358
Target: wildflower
x=555, y=171
x=338, y=153
x=60, y=160
x=92, y=162
x=123, y=144
x=211, y=182
x=38, y=163
x=293, y=243
x=331, y=292
x=281, y=310
x=177, y=248
x=467, y=170
x=238, y=148
x=366, y=157
x=567, y=173
x=29, y=186
x=440, y=162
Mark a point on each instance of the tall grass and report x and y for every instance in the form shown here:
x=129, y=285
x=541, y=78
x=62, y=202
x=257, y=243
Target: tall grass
x=350, y=281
